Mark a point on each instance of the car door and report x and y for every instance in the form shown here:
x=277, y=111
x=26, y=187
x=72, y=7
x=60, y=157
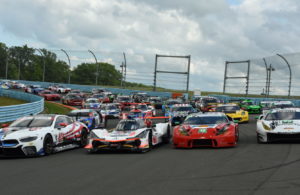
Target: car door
x=62, y=131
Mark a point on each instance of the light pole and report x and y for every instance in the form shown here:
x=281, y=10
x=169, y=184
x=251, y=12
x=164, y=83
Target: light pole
x=290, y=80
x=44, y=64
x=270, y=69
x=97, y=71
x=69, y=80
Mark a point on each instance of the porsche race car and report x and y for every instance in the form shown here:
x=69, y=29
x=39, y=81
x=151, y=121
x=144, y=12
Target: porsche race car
x=42, y=135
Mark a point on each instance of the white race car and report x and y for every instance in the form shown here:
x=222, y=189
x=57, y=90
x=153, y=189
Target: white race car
x=42, y=135
x=279, y=124
x=130, y=134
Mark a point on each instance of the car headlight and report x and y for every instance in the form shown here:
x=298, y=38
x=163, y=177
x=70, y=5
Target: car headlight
x=28, y=139
x=266, y=127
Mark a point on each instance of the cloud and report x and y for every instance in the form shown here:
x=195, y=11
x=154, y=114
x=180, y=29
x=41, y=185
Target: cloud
x=211, y=32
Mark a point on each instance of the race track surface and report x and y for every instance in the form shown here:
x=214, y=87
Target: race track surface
x=250, y=168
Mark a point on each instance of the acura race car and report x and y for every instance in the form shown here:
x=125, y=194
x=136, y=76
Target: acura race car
x=42, y=135
x=130, y=134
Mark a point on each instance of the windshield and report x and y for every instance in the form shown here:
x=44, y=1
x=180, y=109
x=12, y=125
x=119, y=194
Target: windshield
x=283, y=115
x=33, y=122
x=227, y=109
x=248, y=103
x=203, y=120
x=127, y=126
x=98, y=96
x=209, y=101
x=92, y=101
x=125, y=99
x=284, y=106
x=181, y=109
x=84, y=114
x=142, y=107
x=75, y=97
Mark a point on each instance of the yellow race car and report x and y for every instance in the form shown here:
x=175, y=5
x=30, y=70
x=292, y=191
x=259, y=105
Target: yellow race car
x=233, y=111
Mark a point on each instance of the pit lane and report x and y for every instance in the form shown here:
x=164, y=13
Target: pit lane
x=250, y=168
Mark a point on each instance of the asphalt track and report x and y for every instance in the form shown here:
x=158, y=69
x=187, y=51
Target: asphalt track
x=249, y=168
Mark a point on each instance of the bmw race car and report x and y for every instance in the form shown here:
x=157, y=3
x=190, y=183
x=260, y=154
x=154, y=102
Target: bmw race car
x=91, y=103
x=178, y=112
x=206, y=129
x=42, y=135
x=130, y=134
x=279, y=124
x=234, y=112
x=89, y=117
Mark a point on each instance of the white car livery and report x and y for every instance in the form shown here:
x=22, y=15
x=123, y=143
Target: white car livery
x=130, y=134
x=279, y=124
x=42, y=135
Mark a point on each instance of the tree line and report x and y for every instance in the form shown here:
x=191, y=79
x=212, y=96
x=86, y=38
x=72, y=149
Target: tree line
x=25, y=63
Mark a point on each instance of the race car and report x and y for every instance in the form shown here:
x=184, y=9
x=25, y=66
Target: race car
x=42, y=135
x=169, y=103
x=148, y=110
x=49, y=95
x=178, y=112
x=135, y=113
x=249, y=106
x=62, y=89
x=72, y=100
x=210, y=129
x=35, y=89
x=233, y=111
x=110, y=111
x=89, y=117
x=130, y=134
x=91, y=103
x=279, y=125
x=77, y=92
x=101, y=98
x=207, y=104
x=155, y=101
x=124, y=101
x=283, y=104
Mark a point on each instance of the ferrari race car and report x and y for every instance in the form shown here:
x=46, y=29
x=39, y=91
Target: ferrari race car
x=279, y=124
x=206, y=129
x=178, y=112
x=249, y=106
x=233, y=111
x=49, y=95
x=72, y=100
x=130, y=134
x=91, y=103
x=89, y=117
x=42, y=135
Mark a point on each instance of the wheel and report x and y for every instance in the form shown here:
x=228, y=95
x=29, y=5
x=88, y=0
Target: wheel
x=258, y=139
x=166, y=138
x=48, y=145
x=83, y=138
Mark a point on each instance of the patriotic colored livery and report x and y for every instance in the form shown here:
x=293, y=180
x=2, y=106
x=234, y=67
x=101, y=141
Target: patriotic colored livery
x=130, y=134
x=206, y=129
x=42, y=135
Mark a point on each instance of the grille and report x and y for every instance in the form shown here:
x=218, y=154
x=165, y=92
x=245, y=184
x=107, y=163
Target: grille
x=202, y=142
x=277, y=137
x=10, y=141
x=238, y=119
x=12, y=151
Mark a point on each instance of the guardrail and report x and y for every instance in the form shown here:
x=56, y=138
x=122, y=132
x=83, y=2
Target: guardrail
x=11, y=113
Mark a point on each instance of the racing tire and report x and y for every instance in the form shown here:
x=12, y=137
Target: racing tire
x=83, y=138
x=48, y=145
x=166, y=138
x=258, y=140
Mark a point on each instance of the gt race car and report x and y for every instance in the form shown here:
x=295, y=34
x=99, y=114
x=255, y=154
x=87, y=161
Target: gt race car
x=249, y=106
x=206, y=130
x=89, y=117
x=279, y=125
x=49, y=95
x=169, y=103
x=130, y=134
x=91, y=103
x=178, y=112
x=72, y=100
x=233, y=111
x=42, y=135
x=207, y=104
x=110, y=111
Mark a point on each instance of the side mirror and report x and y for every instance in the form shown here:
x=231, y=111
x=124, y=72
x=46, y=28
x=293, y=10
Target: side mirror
x=4, y=125
x=62, y=124
x=259, y=117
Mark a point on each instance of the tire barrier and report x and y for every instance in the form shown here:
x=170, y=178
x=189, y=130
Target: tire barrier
x=13, y=112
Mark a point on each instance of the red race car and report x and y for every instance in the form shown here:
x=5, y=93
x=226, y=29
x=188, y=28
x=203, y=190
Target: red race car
x=49, y=95
x=206, y=130
x=72, y=100
x=101, y=97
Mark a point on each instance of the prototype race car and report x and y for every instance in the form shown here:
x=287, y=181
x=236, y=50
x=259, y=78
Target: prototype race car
x=249, y=106
x=89, y=117
x=49, y=95
x=206, y=129
x=42, y=135
x=279, y=124
x=233, y=111
x=130, y=134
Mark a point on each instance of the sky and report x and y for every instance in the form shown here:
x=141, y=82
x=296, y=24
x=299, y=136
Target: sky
x=212, y=32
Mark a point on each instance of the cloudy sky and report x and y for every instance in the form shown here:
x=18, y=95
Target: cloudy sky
x=210, y=31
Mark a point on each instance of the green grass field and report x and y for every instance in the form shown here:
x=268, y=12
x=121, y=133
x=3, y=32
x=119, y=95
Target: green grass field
x=51, y=108
x=6, y=101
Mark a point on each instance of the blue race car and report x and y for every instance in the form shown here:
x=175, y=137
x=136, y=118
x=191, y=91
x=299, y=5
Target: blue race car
x=90, y=117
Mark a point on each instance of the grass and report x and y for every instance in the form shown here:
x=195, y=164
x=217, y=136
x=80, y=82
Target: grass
x=6, y=101
x=51, y=108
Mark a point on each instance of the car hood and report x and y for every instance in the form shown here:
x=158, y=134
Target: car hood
x=283, y=125
x=17, y=133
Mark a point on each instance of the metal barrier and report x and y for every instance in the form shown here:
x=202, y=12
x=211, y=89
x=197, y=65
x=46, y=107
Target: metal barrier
x=11, y=113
